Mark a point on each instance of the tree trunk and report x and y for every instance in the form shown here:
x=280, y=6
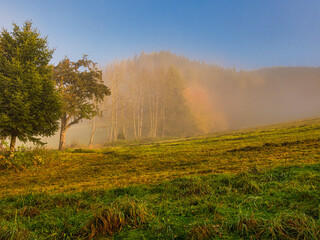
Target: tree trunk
x=141, y=117
x=91, y=140
x=134, y=114
x=93, y=130
x=94, y=127
x=123, y=122
x=63, y=130
x=150, y=114
x=62, y=142
x=162, y=116
x=12, y=145
x=112, y=126
x=116, y=123
x=138, y=117
x=156, y=117
x=2, y=143
x=134, y=122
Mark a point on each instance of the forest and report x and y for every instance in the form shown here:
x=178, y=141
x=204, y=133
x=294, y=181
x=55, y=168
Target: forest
x=160, y=94
x=148, y=96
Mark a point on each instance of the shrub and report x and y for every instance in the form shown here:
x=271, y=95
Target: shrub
x=26, y=157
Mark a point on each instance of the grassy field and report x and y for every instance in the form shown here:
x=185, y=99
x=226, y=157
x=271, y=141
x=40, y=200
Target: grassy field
x=261, y=183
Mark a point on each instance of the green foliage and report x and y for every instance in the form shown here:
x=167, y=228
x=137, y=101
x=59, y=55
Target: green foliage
x=29, y=103
x=26, y=157
x=80, y=84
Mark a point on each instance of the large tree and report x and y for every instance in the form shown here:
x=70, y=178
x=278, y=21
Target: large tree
x=81, y=86
x=29, y=102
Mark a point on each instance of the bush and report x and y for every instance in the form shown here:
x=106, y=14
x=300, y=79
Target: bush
x=26, y=157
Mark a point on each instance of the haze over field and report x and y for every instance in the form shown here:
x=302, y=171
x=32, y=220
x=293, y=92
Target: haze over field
x=149, y=119
x=170, y=96
x=186, y=68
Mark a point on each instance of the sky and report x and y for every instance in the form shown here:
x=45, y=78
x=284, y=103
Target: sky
x=245, y=34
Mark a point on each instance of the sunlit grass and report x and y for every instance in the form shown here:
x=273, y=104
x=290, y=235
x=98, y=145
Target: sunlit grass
x=82, y=169
x=261, y=183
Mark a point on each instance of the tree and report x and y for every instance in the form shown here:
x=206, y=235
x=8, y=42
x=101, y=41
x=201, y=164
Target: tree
x=148, y=99
x=95, y=121
x=29, y=102
x=80, y=84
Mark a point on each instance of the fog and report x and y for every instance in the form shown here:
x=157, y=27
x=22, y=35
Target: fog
x=162, y=95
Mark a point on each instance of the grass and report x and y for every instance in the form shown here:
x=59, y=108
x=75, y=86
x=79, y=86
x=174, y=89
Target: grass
x=259, y=183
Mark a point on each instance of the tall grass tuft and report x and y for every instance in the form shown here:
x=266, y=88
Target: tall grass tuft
x=245, y=184
x=285, y=226
x=193, y=187
x=112, y=219
x=107, y=222
x=204, y=231
x=295, y=226
x=14, y=231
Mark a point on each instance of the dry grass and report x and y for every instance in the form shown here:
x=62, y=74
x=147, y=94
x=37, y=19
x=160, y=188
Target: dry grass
x=285, y=226
x=112, y=219
x=14, y=233
x=204, y=231
x=216, y=206
x=231, y=152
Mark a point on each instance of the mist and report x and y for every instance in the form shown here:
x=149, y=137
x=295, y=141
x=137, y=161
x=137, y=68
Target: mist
x=162, y=95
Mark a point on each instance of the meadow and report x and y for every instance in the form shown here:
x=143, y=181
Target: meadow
x=261, y=183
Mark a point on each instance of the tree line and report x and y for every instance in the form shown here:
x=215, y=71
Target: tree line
x=35, y=96
x=147, y=100
x=38, y=98
x=154, y=95
x=160, y=94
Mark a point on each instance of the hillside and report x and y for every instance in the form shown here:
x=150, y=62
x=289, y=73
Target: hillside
x=229, y=152
x=161, y=95
x=261, y=183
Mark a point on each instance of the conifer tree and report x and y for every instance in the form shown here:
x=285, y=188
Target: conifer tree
x=29, y=102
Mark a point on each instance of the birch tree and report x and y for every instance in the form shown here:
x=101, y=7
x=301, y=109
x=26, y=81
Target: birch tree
x=95, y=120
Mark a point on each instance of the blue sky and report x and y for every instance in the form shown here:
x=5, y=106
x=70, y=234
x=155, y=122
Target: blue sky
x=235, y=33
